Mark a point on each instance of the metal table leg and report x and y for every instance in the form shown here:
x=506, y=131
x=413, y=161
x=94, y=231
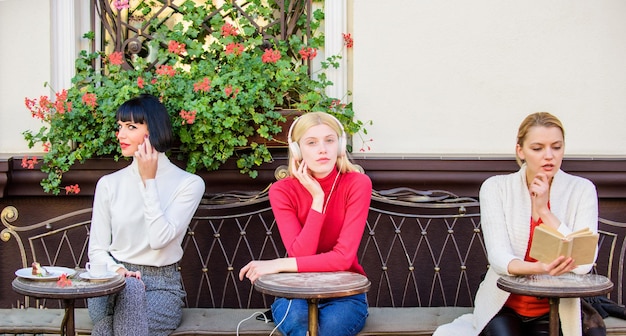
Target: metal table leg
x=313, y=314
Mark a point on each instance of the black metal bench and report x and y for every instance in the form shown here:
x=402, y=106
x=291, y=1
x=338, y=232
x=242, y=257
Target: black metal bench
x=422, y=250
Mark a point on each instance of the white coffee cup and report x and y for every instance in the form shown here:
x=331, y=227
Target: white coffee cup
x=96, y=270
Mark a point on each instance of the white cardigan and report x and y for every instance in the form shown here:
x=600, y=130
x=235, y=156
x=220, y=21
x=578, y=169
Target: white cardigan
x=143, y=225
x=505, y=208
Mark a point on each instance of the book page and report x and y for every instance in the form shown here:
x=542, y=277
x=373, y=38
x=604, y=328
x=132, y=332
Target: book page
x=583, y=249
x=548, y=244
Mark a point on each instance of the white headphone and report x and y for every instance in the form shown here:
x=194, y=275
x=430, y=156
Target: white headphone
x=294, y=148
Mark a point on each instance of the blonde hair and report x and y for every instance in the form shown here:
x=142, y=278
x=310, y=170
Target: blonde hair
x=544, y=119
x=308, y=120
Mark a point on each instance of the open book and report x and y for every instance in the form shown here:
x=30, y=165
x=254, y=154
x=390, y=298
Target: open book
x=548, y=244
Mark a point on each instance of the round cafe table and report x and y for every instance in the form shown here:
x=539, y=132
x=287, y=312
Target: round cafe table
x=79, y=289
x=312, y=286
x=568, y=285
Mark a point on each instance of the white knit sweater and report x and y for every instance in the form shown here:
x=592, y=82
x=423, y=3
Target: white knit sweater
x=139, y=224
x=505, y=208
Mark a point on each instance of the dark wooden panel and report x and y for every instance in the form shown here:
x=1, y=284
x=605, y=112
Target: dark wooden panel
x=461, y=176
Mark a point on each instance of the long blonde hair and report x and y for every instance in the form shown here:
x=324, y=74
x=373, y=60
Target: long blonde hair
x=544, y=119
x=308, y=120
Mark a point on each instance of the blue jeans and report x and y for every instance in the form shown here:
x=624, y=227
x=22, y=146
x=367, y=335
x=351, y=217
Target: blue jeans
x=337, y=317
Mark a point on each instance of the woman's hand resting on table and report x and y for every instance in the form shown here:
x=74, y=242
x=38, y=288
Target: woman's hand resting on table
x=254, y=269
x=560, y=265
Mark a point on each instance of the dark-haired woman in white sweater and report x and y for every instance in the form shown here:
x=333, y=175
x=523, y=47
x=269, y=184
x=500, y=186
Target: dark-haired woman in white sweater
x=140, y=217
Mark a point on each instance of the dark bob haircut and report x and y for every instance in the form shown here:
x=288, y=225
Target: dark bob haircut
x=147, y=109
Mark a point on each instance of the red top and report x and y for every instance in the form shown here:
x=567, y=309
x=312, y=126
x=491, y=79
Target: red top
x=323, y=242
x=525, y=305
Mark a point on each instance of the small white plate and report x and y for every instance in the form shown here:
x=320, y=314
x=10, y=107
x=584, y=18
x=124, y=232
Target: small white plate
x=87, y=276
x=55, y=273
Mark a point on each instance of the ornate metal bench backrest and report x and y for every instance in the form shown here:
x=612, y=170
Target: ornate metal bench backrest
x=418, y=249
x=611, y=254
x=423, y=248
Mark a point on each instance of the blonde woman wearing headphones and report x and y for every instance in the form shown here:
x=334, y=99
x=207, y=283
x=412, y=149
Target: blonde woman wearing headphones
x=320, y=210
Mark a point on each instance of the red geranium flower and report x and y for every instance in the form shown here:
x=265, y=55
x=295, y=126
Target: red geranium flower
x=72, y=189
x=176, y=48
x=166, y=70
x=90, y=99
x=348, y=40
x=29, y=163
x=188, y=117
x=270, y=56
x=234, y=48
x=308, y=53
x=229, y=30
x=64, y=281
x=204, y=85
x=116, y=58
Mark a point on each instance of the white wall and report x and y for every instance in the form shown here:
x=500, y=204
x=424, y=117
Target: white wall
x=437, y=78
x=457, y=77
x=24, y=67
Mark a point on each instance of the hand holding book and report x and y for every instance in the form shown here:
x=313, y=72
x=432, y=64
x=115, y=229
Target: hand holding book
x=548, y=244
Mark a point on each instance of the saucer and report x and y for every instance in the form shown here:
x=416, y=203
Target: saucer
x=87, y=276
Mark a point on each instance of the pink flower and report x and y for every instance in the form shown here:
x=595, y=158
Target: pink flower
x=348, y=40
x=64, y=281
x=61, y=104
x=176, y=48
x=270, y=56
x=229, y=30
x=37, y=111
x=234, y=48
x=45, y=103
x=188, y=117
x=166, y=70
x=29, y=163
x=204, y=85
x=230, y=92
x=90, y=99
x=116, y=58
x=140, y=82
x=308, y=53
x=121, y=4
x=336, y=103
x=72, y=189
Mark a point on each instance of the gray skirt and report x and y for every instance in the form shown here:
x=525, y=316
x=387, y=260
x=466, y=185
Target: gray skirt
x=150, y=306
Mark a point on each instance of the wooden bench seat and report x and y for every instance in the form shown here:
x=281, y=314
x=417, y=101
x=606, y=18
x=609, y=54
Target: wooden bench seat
x=218, y=321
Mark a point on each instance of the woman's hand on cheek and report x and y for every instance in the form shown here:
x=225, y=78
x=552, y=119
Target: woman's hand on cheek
x=305, y=178
x=147, y=160
x=540, y=195
x=540, y=188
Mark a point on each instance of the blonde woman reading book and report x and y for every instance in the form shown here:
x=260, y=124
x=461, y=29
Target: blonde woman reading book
x=511, y=207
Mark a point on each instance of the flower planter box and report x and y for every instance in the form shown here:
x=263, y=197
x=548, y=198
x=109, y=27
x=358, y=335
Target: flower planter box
x=280, y=139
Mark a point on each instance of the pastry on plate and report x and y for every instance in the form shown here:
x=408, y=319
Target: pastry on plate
x=39, y=271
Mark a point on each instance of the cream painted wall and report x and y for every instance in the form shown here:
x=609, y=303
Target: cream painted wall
x=436, y=78
x=24, y=67
x=457, y=77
